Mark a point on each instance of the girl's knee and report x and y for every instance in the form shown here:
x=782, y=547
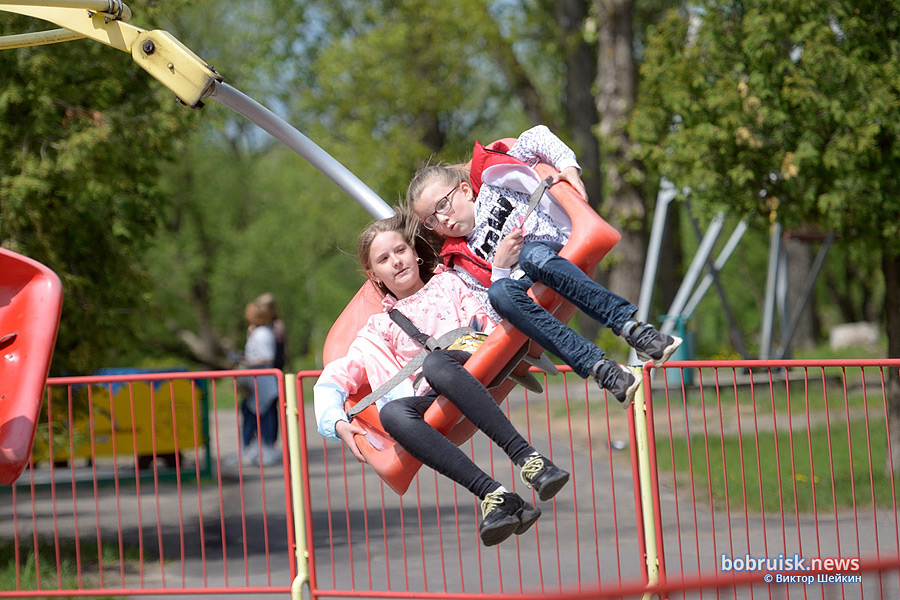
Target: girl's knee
x=434, y=361
x=534, y=256
x=501, y=290
x=437, y=367
x=393, y=416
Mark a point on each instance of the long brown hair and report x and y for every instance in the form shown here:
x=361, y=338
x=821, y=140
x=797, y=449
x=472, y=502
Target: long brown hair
x=407, y=225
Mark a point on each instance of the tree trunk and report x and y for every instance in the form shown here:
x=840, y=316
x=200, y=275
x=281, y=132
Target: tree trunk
x=580, y=110
x=800, y=257
x=581, y=113
x=891, y=268
x=616, y=84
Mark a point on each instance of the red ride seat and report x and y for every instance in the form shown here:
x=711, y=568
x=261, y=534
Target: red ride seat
x=30, y=305
x=592, y=238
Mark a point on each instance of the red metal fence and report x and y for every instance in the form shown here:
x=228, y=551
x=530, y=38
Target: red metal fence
x=758, y=459
x=366, y=540
x=139, y=486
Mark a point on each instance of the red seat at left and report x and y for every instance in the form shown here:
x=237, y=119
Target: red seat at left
x=30, y=305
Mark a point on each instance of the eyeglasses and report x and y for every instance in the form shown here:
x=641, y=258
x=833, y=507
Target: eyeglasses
x=443, y=207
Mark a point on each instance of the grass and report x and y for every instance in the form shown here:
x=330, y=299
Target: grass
x=66, y=577
x=802, y=390
x=824, y=469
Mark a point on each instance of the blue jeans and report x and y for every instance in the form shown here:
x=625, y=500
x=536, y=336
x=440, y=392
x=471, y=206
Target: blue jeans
x=541, y=262
x=268, y=423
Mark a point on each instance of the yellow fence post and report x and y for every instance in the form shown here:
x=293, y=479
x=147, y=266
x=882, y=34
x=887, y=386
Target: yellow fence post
x=644, y=481
x=293, y=433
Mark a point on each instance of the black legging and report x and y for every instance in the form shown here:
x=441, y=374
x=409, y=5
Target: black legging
x=403, y=420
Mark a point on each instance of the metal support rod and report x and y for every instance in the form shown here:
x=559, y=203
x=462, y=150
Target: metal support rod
x=651, y=264
x=664, y=197
x=302, y=145
x=645, y=475
x=723, y=257
x=808, y=287
x=781, y=289
x=297, y=496
x=693, y=273
x=59, y=12
x=111, y=7
x=40, y=38
x=733, y=328
x=765, y=338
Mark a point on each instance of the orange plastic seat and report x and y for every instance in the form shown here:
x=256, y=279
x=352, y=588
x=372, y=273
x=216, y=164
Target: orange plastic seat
x=591, y=239
x=30, y=305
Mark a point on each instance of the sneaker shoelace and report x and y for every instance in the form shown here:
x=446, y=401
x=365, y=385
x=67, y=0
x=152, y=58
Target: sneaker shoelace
x=610, y=377
x=645, y=336
x=490, y=502
x=530, y=469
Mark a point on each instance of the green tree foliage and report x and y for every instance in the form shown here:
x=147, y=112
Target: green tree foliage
x=237, y=228
x=383, y=86
x=788, y=109
x=369, y=86
x=84, y=136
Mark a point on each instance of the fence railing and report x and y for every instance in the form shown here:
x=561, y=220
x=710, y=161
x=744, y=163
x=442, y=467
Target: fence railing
x=139, y=485
x=767, y=459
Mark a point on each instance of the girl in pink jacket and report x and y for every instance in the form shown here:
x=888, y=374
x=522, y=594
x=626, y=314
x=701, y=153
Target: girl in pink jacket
x=435, y=304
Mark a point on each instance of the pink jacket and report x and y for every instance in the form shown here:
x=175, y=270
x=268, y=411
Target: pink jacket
x=382, y=348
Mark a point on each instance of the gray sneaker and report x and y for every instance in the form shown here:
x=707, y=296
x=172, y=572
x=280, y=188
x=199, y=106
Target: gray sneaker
x=649, y=343
x=617, y=380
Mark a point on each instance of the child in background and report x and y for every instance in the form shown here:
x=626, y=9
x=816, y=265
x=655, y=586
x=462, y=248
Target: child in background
x=267, y=301
x=480, y=210
x=261, y=399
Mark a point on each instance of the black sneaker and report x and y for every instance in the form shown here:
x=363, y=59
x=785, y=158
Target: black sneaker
x=617, y=380
x=500, y=517
x=527, y=516
x=651, y=344
x=545, y=477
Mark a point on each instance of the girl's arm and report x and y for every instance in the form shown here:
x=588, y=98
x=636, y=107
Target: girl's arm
x=331, y=419
x=540, y=144
x=338, y=381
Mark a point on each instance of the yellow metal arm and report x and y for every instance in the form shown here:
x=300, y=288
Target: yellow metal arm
x=157, y=52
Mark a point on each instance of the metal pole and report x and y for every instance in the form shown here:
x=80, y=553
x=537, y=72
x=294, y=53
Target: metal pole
x=302, y=145
x=734, y=329
x=765, y=342
x=781, y=289
x=651, y=264
x=723, y=257
x=645, y=484
x=693, y=273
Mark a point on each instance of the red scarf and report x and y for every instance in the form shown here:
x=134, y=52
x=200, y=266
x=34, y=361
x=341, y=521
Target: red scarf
x=456, y=251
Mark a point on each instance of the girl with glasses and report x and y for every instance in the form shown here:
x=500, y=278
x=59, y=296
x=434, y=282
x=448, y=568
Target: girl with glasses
x=500, y=245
